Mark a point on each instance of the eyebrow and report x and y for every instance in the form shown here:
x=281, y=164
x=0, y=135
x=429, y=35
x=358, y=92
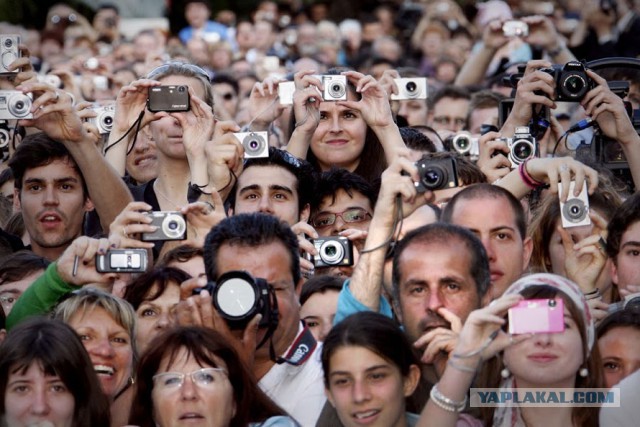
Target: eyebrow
x=369, y=369
x=632, y=243
x=348, y=208
x=273, y=187
x=56, y=181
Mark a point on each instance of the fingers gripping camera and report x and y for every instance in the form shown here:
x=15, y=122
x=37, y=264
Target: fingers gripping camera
x=575, y=211
x=255, y=144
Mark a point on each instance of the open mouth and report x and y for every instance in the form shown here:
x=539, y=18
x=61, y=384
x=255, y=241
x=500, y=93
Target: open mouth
x=360, y=416
x=104, y=370
x=190, y=416
x=144, y=160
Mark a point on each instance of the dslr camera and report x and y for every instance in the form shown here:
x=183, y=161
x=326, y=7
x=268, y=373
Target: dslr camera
x=168, y=98
x=464, y=144
x=9, y=52
x=410, y=88
x=436, y=174
x=255, y=144
x=171, y=226
x=335, y=87
x=104, y=119
x=238, y=297
x=521, y=147
x=333, y=251
x=122, y=261
x=572, y=81
x=15, y=105
x=575, y=211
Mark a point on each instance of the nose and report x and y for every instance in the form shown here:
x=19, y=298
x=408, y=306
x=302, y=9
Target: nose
x=543, y=340
x=50, y=196
x=163, y=322
x=188, y=390
x=39, y=402
x=488, y=246
x=434, y=302
x=102, y=347
x=338, y=226
x=264, y=205
x=402, y=111
x=360, y=391
x=326, y=328
x=335, y=124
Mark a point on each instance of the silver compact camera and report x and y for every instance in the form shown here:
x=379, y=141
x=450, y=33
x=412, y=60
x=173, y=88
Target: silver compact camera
x=333, y=251
x=285, y=92
x=171, y=226
x=104, y=118
x=410, y=88
x=255, y=144
x=335, y=87
x=521, y=147
x=515, y=28
x=575, y=211
x=9, y=52
x=122, y=261
x=465, y=144
x=15, y=105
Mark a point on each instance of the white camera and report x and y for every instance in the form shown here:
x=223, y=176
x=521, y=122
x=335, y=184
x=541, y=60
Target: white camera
x=15, y=105
x=335, y=87
x=104, y=118
x=575, y=211
x=9, y=52
x=285, y=92
x=256, y=144
x=410, y=88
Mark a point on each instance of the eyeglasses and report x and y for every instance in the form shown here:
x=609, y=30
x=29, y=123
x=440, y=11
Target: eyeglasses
x=445, y=120
x=175, y=64
x=350, y=216
x=205, y=378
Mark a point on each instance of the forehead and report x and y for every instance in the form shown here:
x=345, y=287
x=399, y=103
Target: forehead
x=267, y=176
x=222, y=87
x=270, y=261
x=435, y=258
x=343, y=201
x=455, y=107
x=57, y=169
x=484, y=212
x=632, y=233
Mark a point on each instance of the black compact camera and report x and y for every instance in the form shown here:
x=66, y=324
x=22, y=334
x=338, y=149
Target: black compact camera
x=122, y=261
x=171, y=226
x=168, y=98
x=238, y=297
x=9, y=52
x=572, y=81
x=333, y=251
x=436, y=174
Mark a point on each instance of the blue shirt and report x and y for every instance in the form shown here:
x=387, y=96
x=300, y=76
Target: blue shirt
x=348, y=305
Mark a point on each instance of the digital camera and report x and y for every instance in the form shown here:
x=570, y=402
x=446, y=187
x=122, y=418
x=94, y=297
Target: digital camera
x=436, y=174
x=575, y=211
x=521, y=147
x=168, y=98
x=410, y=88
x=335, y=87
x=9, y=52
x=171, y=226
x=255, y=144
x=572, y=81
x=238, y=297
x=631, y=301
x=15, y=105
x=104, y=118
x=333, y=251
x=537, y=316
x=515, y=28
x=285, y=92
x=465, y=144
x=122, y=261
x=5, y=135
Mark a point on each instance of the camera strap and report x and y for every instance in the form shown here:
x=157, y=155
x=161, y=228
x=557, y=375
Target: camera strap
x=300, y=350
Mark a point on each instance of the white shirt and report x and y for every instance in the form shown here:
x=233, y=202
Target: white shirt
x=299, y=390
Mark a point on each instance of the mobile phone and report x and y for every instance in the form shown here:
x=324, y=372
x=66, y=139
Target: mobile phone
x=168, y=98
x=535, y=316
x=122, y=261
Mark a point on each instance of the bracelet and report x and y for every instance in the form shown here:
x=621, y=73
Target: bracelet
x=444, y=402
x=526, y=178
x=593, y=294
x=454, y=365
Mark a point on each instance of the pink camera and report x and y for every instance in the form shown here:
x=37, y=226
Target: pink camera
x=536, y=316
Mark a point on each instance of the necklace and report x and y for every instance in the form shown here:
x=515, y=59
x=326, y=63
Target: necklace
x=155, y=188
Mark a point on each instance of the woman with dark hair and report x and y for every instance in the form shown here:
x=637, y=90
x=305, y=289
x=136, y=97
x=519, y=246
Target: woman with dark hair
x=619, y=343
x=358, y=134
x=370, y=368
x=154, y=296
x=46, y=377
x=192, y=373
x=562, y=358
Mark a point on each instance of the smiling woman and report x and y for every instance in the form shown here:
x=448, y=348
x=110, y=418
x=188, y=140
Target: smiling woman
x=47, y=378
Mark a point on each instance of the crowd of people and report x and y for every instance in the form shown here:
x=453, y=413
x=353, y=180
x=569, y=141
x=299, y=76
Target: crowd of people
x=294, y=219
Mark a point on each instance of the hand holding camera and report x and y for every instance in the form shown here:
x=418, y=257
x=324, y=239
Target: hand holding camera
x=333, y=251
x=374, y=105
x=77, y=264
x=493, y=158
x=572, y=81
x=125, y=230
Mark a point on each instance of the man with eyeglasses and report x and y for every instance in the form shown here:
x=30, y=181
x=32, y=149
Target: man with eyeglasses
x=448, y=109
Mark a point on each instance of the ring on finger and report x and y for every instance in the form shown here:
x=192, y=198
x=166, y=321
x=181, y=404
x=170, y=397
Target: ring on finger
x=124, y=231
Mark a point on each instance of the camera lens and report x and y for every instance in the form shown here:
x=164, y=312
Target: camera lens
x=236, y=297
x=19, y=105
x=174, y=226
x=331, y=252
x=8, y=43
x=574, y=210
x=253, y=144
x=574, y=84
x=4, y=138
x=522, y=150
x=433, y=177
x=461, y=143
x=337, y=90
x=411, y=87
x=181, y=88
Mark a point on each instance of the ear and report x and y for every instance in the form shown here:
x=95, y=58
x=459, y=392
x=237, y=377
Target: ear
x=411, y=380
x=526, y=253
x=305, y=213
x=16, y=200
x=88, y=205
x=614, y=270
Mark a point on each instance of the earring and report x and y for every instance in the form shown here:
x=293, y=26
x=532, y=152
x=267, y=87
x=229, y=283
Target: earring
x=505, y=373
x=584, y=372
